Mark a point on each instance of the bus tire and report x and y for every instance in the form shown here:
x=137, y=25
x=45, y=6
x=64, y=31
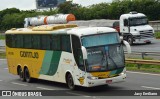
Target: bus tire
x=20, y=73
x=149, y=42
x=130, y=40
x=70, y=82
x=28, y=78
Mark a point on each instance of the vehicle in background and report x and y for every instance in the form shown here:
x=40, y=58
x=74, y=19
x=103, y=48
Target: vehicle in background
x=133, y=27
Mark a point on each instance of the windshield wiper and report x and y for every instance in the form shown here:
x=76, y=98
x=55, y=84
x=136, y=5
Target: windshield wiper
x=113, y=61
x=103, y=59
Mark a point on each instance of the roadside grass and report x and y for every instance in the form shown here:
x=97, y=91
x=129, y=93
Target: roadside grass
x=2, y=55
x=2, y=37
x=143, y=68
x=157, y=35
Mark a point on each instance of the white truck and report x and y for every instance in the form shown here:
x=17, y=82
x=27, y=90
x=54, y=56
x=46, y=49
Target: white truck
x=133, y=27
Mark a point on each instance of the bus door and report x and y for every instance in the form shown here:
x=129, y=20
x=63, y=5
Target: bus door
x=79, y=62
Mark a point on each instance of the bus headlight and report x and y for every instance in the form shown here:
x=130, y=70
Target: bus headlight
x=123, y=72
x=92, y=78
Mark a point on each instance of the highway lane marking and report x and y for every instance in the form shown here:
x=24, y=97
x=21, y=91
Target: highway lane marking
x=150, y=87
x=44, y=88
x=5, y=68
x=77, y=94
x=19, y=84
x=2, y=59
x=144, y=73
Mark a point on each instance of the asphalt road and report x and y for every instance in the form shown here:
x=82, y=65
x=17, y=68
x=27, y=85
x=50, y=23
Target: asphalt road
x=134, y=81
x=153, y=47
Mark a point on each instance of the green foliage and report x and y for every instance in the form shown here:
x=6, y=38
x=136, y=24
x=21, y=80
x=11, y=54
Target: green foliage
x=2, y=37
x=14, y=18
x=157, y=35
x=144, y=68
x=2, y=55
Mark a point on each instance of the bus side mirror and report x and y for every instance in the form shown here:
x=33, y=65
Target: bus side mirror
x=127, y=46
x=84, y=52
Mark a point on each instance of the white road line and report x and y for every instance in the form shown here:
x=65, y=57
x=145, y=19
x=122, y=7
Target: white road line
x=77, y=94
x=150, y=87
x=5, y=68
x=143, y=73
x=2, y=59
x=19, y=84
x=1, y=80
x=44, y=88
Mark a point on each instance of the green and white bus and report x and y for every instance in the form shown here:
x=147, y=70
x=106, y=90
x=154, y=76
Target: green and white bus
x=77, y=56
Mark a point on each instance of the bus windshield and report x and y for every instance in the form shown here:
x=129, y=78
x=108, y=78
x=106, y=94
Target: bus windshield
x=104, y=52
x=138, y=21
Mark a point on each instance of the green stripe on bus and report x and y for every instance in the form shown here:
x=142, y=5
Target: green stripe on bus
x=46, y=62
x=54, y=62
x=113, y=72
x=50, y=62
x=119, y=70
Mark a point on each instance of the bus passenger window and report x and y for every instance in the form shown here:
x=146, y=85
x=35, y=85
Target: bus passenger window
x=9, y=40
x=45, y=41
x=66, y=45
x=27, y=41
x=19, y=41
x=55, y=43
x=36, y=42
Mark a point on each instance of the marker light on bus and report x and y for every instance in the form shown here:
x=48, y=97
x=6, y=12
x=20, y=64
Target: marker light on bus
x=92, y=78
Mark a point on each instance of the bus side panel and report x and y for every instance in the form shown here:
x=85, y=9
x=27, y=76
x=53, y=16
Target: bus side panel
x=11, y=60
x=32, y=59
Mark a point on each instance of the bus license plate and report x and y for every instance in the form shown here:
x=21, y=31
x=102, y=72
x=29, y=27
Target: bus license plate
x=109, y=81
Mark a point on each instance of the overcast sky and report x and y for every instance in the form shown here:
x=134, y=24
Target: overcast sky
x=30, y=4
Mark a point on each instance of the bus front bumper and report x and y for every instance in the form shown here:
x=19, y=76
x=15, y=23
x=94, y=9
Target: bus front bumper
x=98, y=82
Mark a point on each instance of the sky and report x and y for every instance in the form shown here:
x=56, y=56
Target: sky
x=30, y=4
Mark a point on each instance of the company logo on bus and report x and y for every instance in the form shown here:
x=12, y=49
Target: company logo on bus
x=29, y=54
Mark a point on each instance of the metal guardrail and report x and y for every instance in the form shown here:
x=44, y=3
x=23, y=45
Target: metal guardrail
x=140, y=61
x=143, y=54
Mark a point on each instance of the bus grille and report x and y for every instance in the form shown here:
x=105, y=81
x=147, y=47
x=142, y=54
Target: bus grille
x=147, y=34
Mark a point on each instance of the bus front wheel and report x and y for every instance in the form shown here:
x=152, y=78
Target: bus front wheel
x=70, y=82
x=27, y=75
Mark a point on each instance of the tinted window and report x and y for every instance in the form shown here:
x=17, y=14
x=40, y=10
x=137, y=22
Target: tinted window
x=55, y=42
x=36, y=44
x=19, y=41
x=45, y=41
x=27, y=41
x=9, y=40
x=66, y=45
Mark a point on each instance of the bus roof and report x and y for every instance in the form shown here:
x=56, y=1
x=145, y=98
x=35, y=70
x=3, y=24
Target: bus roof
x=61, y=29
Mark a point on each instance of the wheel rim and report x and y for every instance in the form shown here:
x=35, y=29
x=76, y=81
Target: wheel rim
x=20, y=73
x=70, y=82
x=27, y=75
x=129, y=40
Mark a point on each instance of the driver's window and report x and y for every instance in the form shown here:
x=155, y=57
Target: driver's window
x=125, y=22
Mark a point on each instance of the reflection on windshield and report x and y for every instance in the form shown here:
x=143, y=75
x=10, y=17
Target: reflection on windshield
x=101, y=39
x=138, y=21
x=105, y=58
